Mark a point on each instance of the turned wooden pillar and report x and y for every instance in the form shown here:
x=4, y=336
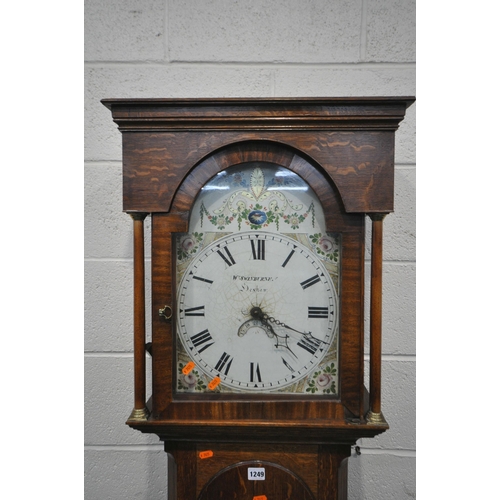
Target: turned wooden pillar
x=140, y=412
x=375, y=412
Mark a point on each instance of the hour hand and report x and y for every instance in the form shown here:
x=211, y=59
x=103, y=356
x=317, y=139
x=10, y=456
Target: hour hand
x=282, y=341
x=258, y=315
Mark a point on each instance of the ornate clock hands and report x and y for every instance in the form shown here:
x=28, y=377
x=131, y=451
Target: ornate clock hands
x=258, y=315
x=260, y=320
x=307, y=335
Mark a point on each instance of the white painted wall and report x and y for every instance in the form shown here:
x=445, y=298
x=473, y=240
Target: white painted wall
x=231, y=48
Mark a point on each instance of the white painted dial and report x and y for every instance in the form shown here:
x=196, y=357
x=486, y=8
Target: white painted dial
x=256, y=309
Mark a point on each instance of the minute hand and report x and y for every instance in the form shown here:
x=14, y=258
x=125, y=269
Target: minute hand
x=284, y=325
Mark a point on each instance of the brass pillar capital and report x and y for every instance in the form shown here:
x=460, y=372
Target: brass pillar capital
x=140, y=216
x=377, y=216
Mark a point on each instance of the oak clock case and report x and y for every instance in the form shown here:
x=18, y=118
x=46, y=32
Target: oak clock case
x=258, y=210
x=257, y=280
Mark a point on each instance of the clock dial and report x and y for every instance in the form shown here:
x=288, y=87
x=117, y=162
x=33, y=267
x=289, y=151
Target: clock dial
x=257, y=305
x=258, y=310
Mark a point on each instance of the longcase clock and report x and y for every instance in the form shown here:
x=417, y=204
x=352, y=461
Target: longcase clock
x=258, y=211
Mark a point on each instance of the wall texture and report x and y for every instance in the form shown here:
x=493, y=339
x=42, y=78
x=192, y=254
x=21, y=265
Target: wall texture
x=232, y=48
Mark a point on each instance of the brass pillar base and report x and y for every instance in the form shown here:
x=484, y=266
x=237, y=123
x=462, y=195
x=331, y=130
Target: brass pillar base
x=375, y=418
x=139, y=414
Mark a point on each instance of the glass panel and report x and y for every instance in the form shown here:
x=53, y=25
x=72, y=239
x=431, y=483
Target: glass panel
x=257, y=281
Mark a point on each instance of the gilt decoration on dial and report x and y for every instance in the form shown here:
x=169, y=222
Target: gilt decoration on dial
x=257, y=288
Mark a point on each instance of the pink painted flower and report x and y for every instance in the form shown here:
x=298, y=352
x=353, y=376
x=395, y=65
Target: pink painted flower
x=324, y=381
x=325, y=243
x=189, y=381
x=187, y=244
